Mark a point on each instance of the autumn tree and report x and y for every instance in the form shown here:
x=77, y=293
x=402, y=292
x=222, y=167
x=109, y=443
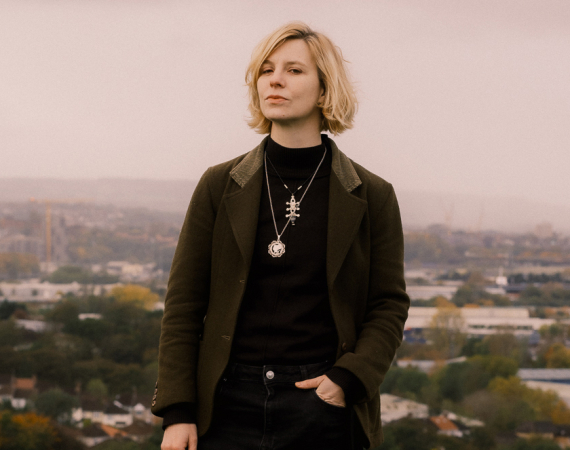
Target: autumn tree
x=446, y=330
x=27, y=431
x=557, y=357
x=135, y=293
x=545, y=404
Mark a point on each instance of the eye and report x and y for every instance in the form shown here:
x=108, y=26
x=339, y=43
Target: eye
x=296, y=71
x=265, y=71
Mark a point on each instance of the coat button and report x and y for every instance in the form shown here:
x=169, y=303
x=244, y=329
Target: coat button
x=344, y=346
x=270, y=374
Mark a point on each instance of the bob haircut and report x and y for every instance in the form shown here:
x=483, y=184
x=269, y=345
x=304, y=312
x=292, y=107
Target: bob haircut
x=340, y=104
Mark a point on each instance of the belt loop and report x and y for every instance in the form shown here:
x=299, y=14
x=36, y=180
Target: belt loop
x=304, y=372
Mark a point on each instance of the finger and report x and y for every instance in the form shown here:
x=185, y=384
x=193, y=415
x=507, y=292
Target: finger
x=193, y=444
x=310, y=383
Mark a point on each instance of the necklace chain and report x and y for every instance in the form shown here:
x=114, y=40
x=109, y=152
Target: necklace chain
x=287, y=187
x=277, y=248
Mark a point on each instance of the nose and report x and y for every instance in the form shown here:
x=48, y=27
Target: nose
x=276, y=79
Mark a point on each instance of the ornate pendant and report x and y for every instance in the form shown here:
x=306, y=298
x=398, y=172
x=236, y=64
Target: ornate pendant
x=293, y=208
x=276, y=248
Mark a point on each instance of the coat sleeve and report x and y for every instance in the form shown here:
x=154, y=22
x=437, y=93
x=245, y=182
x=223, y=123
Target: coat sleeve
x=186, y=303
x=381, y=331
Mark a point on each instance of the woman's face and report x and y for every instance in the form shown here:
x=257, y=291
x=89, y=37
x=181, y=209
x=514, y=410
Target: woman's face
x=289, y=86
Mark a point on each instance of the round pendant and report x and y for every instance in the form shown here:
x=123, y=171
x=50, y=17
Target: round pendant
x=276, y=249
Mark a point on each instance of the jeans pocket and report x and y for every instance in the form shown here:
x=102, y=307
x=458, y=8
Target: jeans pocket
x=323, y=402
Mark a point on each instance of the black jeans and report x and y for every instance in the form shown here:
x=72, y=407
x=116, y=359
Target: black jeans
x=260, y=408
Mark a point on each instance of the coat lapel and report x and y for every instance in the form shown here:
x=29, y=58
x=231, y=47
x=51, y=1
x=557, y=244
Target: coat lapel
x=243, y=205
x=345, y=214
x=345, y=211
x=243, y=213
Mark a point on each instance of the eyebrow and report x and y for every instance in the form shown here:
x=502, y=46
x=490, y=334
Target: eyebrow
x=288, y=63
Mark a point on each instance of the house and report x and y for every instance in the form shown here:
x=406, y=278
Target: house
x=23, y=389
x=394, y=408
x=6, y=388
x=93, y=435
x=138, y=431
x=544, y=429
x=446, y=426
x=138, y=405
x=90, y=409
x=116, y=416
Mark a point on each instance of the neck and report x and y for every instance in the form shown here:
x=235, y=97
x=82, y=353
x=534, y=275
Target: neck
x=303, y=135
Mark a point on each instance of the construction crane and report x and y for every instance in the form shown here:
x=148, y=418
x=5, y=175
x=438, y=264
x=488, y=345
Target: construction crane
x=48, y=203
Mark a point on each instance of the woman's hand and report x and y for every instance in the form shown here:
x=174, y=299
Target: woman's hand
x=180, y=436
x=327, y=390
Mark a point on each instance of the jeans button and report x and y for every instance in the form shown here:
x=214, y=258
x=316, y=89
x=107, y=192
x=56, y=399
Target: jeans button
x=270, y=374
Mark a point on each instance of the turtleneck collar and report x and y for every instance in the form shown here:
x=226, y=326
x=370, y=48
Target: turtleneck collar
x=298, y=162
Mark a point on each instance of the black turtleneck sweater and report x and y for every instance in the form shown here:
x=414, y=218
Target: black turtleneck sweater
x=285, y=316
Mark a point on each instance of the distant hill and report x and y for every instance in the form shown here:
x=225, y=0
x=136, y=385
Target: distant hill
x=419, y=208
x=162, y=195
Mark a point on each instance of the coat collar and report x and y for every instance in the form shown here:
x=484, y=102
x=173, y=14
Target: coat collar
x=345, y=209
x=341, y=166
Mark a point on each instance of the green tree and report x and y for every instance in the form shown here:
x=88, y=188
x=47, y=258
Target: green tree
x=69, y=274
x=7, y=309
x=535, y=444
x=97, y=389
x=64, y=312
x=10, y=359
x=56, y=404
x=10, y=333
x=409, y=434
x=407, y=382
x=118, y=444
x=50, y=364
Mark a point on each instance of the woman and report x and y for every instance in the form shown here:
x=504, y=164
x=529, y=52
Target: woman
x=286, y=299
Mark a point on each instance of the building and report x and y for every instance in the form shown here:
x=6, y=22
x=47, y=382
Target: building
x=482, y=321
x=394, y=408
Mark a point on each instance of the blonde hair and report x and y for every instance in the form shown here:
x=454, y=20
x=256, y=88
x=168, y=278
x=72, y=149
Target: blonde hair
x=339, y=105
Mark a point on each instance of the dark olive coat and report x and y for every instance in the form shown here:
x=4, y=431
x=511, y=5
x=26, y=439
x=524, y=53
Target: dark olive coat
x=365, y=252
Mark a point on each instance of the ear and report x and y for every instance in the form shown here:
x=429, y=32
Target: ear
x=321, y=95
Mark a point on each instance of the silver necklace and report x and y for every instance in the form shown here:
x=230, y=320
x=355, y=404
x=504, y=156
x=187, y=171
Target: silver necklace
x=277, y=248
x=293, y=204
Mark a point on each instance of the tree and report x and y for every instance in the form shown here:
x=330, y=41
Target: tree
x=545, y=404
x=504, y=344
x=118, y=444
x=407, y=382
x=7, y=309
x=56, y=404
x=135, y=293
x=557, y=357
x=409, y=434
x=497, y=413
x=446, y=331
x=97, y=389
x=15, y=265
x=10, y=333
x=50, y=364
x=27, y=431
x=64, y=312
x=535, y=444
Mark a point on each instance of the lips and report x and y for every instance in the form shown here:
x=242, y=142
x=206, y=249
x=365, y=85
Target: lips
x=275, y=97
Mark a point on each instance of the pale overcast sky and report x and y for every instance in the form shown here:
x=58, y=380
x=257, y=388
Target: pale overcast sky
x=455, y=96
